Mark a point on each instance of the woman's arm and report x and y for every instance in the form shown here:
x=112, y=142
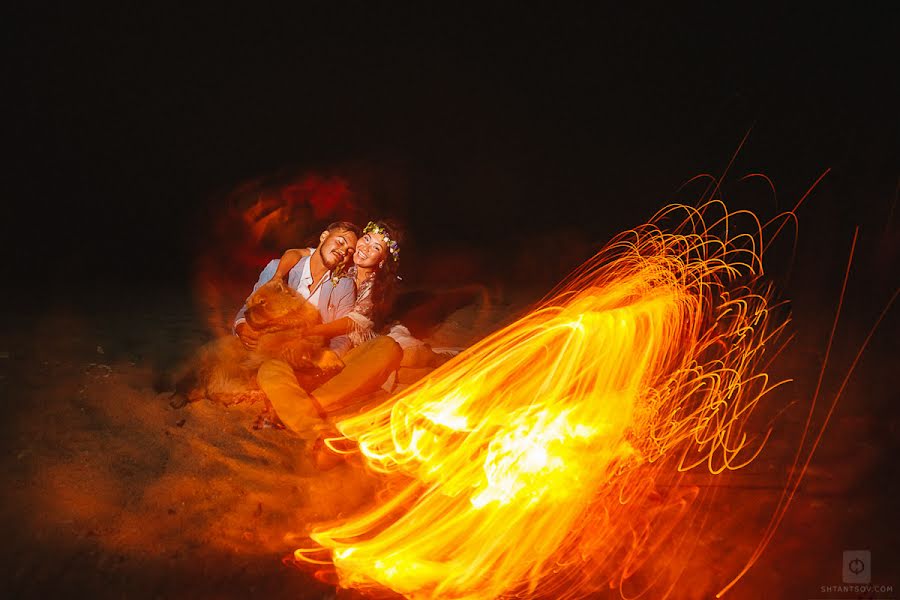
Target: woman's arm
x=341, y=326
x=289, y=260
x=359, y=319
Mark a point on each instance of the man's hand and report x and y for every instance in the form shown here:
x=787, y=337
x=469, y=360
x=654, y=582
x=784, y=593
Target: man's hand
x=249, y=337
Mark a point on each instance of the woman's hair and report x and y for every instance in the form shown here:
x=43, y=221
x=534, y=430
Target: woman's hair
x=384, y=289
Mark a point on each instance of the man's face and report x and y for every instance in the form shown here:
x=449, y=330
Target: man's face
x=336, y=247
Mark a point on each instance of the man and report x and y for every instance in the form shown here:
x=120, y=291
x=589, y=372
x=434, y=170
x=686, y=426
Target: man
x=311, y=277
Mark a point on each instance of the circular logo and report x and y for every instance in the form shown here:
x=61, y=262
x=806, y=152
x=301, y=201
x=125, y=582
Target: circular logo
x=856, y=566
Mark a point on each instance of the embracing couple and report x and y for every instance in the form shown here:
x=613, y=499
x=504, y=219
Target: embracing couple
x=350, y=278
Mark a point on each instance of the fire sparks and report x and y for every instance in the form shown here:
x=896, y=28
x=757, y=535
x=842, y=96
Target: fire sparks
x=528, y=463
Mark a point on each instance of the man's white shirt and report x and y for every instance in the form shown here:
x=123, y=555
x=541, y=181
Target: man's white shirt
x=306, y=281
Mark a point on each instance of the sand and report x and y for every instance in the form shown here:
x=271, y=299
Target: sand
x=110, y=492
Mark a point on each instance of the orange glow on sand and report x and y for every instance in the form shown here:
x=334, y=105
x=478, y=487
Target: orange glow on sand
x=531, y=462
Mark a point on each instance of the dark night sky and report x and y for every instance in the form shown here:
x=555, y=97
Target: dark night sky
x=125, y=122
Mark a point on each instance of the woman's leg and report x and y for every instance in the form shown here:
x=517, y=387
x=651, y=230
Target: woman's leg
x=366, y=368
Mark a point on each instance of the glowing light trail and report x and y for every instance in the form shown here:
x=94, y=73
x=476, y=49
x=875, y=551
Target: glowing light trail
x=526, y=463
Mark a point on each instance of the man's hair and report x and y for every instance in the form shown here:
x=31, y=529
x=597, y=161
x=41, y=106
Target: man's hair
x=345, y=226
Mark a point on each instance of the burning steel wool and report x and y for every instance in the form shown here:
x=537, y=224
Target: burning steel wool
x=530, y=463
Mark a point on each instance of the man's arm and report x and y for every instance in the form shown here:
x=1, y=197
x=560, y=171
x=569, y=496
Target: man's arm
x=289, y=260
x=344, y=297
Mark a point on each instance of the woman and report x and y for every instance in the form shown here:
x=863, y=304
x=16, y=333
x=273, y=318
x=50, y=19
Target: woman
x=374, y=270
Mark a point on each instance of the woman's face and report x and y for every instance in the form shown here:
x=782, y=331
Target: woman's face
x=370, y=251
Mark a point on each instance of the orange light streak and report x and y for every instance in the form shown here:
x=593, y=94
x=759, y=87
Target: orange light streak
x=527, y=462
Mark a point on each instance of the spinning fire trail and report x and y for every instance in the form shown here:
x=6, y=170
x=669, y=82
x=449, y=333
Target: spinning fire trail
x=531, y=463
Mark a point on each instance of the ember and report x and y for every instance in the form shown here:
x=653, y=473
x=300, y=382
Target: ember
x=532, y=461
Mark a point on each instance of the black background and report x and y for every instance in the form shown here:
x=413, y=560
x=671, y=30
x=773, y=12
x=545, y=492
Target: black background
x=483, y=125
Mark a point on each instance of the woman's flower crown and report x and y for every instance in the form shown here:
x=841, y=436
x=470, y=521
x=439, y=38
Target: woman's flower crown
x=393, y=246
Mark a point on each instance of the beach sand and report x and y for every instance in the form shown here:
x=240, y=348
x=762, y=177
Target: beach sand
x=110, y=492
